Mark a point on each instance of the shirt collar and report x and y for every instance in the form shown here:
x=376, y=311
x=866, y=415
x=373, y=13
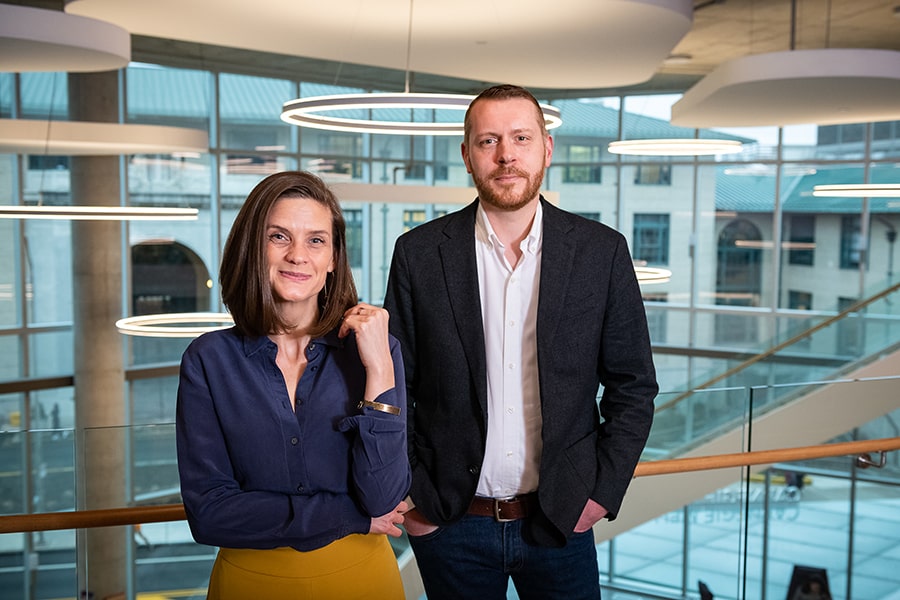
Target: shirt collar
x=485, y=233
x=253, y=345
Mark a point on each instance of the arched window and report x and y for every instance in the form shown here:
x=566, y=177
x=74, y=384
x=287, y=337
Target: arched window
x=167, y=277
x=738, y=280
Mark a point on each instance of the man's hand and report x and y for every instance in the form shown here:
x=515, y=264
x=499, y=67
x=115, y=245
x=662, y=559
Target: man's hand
x=592, y=513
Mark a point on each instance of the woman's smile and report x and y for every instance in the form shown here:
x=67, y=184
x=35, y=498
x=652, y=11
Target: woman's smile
x=299, y=250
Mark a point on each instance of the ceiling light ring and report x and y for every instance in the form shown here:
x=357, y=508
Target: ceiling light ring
x=675, y=147
x=380, y=100
x=98, y=213
x=650, y=275
x=387, y=127
x=305, y=113
x=172, y=324
x=858, y=190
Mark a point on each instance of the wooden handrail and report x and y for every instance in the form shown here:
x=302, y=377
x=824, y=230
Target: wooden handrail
x=763, y=457
x=84, y=519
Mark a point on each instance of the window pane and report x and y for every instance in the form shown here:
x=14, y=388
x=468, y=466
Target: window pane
x=353, y=218
x=651, y=239
x=886, y=139
x=852, y=244
x=10, y=357
x=236, y=185
x=171, y=258
x=48, y=271
x=9, y=252
x=51, y=353
x=12, y=440
x=6, y=95
x=598, y=197
x=249, y=112
x=335, y=149
x=883, y=226
x=733, y=253
x=44, y=96
x=826, y=142
x=167, y=96
x=658, y=174
x=800, y=234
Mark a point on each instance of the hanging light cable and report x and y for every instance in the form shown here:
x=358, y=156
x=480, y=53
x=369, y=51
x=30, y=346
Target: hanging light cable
x=306, y=112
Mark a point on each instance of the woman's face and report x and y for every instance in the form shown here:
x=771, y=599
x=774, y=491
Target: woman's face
x=299, y=249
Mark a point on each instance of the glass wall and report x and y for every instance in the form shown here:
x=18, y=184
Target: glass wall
x=834, y=519
x=755, y=258
x=712, y=221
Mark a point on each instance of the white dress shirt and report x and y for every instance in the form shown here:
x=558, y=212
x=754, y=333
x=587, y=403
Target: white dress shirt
x=509, y=300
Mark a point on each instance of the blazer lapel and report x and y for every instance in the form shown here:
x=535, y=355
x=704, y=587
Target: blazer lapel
x=557, y=254
x=457, y=253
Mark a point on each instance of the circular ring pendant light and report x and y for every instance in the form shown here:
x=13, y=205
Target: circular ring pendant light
x=305, y=112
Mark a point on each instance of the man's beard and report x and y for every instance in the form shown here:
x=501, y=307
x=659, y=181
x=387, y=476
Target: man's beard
x=506, y=198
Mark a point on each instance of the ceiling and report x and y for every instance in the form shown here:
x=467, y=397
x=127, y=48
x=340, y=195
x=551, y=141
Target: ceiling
x=459, y=46
x=566, y=48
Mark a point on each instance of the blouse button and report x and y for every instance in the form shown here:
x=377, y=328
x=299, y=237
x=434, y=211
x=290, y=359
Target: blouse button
x=311, y=347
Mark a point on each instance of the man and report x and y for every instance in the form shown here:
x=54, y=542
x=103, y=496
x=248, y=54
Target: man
x=511, y=313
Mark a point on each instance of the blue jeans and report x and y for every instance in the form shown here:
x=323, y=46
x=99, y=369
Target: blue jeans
x=474, y=558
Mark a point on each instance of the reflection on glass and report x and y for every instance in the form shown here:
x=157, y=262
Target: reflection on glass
x=48, y=278
x=254, y=125
x=44, y=96
x=9, y=263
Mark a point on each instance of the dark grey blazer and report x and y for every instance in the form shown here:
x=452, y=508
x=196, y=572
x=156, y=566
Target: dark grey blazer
x=591, y=330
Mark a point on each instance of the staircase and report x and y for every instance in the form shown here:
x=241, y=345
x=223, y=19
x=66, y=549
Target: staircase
x=758, y=404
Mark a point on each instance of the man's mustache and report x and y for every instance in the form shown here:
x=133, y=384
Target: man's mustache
x=503, y=172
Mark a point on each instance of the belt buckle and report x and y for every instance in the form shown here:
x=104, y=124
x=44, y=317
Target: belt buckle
x=496, y=506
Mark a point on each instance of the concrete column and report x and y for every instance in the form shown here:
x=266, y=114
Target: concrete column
x=99, y=364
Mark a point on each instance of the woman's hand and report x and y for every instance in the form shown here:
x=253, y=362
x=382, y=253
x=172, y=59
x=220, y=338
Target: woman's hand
x=387, y=524
x=370, y=324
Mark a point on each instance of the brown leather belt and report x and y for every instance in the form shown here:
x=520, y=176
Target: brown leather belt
x=505, y=509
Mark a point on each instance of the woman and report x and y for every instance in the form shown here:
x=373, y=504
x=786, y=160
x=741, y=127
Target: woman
x=291, y=442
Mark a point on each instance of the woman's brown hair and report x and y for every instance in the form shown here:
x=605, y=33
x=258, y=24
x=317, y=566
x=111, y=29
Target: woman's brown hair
x=244, y=274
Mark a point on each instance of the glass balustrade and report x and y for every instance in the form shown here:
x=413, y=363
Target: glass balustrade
x=741, y=531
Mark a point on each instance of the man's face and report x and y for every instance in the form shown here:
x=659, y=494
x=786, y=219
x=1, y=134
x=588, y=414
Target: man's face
x=506, y=152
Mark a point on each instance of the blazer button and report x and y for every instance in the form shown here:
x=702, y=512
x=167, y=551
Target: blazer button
x=474, y=469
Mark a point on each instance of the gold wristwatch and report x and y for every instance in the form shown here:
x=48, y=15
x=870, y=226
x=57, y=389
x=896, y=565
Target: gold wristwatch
x=379, y=406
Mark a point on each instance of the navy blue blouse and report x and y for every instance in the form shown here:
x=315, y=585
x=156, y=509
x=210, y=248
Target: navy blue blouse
x=257, y=474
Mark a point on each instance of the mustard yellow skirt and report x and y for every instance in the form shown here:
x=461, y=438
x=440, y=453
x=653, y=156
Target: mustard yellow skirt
x=357, y=567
